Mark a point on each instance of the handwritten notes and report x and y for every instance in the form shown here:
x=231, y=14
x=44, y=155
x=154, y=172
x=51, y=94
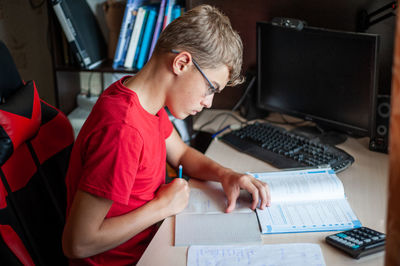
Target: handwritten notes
x=298, y=254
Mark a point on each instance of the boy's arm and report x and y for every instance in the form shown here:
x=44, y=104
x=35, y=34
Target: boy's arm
x=196, y=164
x=87, y=232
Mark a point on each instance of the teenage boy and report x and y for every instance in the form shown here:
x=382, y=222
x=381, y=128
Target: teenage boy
x=116, y=178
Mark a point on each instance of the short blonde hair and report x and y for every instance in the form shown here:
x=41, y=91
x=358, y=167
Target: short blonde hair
x=207, y=34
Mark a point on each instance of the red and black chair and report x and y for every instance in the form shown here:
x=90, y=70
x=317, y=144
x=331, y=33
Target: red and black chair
x=35, y=144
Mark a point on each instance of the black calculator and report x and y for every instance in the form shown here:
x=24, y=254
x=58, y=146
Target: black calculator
x=358, y=242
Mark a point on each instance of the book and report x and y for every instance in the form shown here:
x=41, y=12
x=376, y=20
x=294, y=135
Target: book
x=306, y=200
x=133, y=43
x=203, y=221
x=299, y=254
x=176, y=12
x=82, y=31
x=138, y=47
x=158, y=27
x=168, y=12
x=125, y=32
x=148, y=33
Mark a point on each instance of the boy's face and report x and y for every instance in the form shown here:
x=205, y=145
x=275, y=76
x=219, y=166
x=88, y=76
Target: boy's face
x=193, y=92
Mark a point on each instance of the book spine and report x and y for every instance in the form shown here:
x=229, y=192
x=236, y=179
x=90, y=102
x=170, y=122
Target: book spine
x=63, y=15
x=133, y=43
x=168, y=12
x=129, y=31
x=176, y=12
x=120, y=51
x=165, y=19
x=140, y=38
x=147, y=38
x=157, y=28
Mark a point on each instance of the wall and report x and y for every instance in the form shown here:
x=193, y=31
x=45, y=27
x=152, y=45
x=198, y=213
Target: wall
x=24, y=31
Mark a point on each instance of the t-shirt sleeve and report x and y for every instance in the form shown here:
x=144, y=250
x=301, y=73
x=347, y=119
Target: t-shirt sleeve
x=165, y=124
x=111, y=161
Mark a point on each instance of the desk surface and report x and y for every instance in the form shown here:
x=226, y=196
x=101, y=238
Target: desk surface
x=365, y=184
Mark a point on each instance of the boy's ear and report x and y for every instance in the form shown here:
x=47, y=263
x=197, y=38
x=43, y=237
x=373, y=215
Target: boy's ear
x=181, y=62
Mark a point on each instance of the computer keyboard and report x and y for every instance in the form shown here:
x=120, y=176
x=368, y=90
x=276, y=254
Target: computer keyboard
x=284, y=149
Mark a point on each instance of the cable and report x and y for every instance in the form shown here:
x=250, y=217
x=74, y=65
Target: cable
x=239, y=103
x=253, y=79
x=218, y=115
x=89, y=94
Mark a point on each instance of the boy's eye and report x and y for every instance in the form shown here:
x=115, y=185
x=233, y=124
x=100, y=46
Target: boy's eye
x=212, y=90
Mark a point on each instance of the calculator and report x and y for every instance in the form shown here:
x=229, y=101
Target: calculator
x=358, y=242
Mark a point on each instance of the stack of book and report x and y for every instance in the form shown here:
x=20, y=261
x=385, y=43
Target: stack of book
x=141, y=26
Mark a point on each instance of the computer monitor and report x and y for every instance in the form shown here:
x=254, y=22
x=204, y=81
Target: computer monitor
x=326, y=76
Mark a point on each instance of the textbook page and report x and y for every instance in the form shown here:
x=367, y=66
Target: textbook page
x=305, y=201
x=298, y=185
x=204, y=221
x=214, y=201
x=307, y=216
x=299, y=254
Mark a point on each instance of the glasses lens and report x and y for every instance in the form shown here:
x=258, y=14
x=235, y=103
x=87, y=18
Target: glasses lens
x=211, y=90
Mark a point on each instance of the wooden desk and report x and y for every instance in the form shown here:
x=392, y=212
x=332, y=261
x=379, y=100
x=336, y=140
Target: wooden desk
x=365, y=184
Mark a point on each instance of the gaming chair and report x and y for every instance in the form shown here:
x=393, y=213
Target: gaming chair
x=35, y=144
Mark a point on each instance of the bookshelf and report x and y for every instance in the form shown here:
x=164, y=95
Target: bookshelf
x=66, y=68
x=66, y=71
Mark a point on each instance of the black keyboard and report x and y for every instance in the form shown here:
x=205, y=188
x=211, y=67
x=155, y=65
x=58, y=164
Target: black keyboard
x=284, y=149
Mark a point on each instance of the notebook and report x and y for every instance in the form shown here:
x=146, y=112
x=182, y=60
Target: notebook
x=203, y=222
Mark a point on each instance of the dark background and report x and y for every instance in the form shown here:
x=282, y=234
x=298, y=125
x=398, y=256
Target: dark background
x=338, y=15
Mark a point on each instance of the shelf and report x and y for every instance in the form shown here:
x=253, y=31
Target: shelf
x=105, y=67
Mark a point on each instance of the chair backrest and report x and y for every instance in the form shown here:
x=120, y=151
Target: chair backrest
x=10, y=79
x=35, y=143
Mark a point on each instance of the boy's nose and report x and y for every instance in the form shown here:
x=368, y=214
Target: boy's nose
x=207, y=101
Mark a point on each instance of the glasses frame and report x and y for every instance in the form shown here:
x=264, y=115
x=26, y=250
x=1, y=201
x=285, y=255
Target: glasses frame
x=211, y=90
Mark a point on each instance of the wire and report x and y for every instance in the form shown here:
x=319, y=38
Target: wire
x=237, y=105
x=219, y=115
x=89, y=93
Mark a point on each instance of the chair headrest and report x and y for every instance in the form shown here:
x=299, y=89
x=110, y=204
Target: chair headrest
x=10, y=79
x=20, y=119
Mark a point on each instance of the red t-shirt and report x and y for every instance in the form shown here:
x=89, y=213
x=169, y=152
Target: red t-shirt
x=120, y=155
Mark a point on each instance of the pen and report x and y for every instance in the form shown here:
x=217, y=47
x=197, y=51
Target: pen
x=180, y=171
x=220, y=131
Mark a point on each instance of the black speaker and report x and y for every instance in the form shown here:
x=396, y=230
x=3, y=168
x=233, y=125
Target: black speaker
x=380, y=134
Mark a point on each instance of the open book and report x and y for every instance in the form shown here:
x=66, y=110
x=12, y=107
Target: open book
x=305, y=201
x=302, y=201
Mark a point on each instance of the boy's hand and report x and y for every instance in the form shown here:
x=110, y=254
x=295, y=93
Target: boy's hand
x=174, y=196
x=233, y=182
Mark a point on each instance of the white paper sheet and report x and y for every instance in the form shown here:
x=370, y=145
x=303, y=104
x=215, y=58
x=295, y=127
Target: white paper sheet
x=299, y=254
x=216, y=229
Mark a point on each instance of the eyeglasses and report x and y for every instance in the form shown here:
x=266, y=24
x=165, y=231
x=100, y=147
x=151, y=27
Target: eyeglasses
x=211, y=88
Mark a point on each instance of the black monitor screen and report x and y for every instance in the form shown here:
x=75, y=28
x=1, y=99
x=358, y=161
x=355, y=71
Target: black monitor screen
x=316, y=74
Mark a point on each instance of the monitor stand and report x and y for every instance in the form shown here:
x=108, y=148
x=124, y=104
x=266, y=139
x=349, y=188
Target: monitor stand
x=324, y=136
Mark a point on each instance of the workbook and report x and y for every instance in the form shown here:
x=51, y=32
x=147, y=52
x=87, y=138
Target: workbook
x=204, y=221
x=305, y=201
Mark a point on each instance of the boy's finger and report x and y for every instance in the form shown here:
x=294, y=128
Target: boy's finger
x=231, y=202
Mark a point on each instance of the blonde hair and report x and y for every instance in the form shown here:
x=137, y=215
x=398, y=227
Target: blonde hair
x=208, y=36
